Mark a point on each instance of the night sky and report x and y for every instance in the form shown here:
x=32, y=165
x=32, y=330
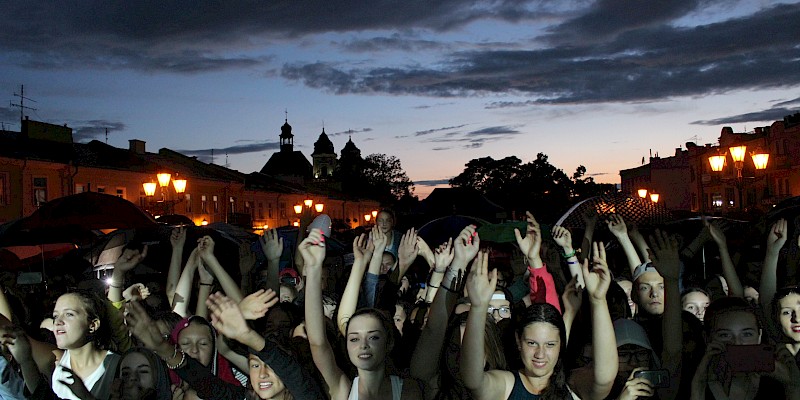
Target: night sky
x=435, y=83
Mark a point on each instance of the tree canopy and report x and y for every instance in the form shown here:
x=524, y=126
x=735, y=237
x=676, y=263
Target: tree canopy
x=378, y=176
x=535, y=185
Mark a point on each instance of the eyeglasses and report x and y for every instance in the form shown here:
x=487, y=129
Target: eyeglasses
x=639, y=356
x=505, y=312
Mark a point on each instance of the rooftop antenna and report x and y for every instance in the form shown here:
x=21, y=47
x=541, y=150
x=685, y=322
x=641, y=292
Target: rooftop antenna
x=227, y=164
x=286, y=114
x=212, y=156
x=21, y=104
x=106, y=135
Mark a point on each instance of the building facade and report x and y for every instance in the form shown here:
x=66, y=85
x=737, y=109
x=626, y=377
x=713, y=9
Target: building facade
x=41, y=163
x=686, y=181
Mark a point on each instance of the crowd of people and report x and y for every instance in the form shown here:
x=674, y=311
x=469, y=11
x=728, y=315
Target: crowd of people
x=518, y=311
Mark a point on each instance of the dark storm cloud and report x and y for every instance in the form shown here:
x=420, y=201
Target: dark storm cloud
x=256, y=147
x=351, y=131
x=88, y=130
x=644, y=63
x=772, y=114
x=434, y=130
x=432, y=182
x=788, y=102
x=441, y=148
x=606, y=18
x=186, y=36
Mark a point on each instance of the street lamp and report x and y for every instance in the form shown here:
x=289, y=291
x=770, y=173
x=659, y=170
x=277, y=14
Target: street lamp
x=738, y=153
x=654, y=197
x=642, y=193
x=319, y=207
x=163, y=179
x=374, y=213
x=298, y=209
x=367, y=217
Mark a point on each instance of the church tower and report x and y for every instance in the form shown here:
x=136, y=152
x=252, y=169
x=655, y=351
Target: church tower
x=287, y=138
x=324, y=157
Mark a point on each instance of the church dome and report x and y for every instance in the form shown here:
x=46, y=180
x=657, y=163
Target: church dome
x=323, y=145
x=286, y=130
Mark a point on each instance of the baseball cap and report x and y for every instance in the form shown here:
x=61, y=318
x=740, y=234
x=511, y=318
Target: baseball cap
x=642, y=268
x=290, y=275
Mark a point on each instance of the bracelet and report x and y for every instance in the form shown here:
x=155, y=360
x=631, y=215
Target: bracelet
x=570, y=255
x=183, y=359
x=206, y=284
x=429, y=285
x=573, y=262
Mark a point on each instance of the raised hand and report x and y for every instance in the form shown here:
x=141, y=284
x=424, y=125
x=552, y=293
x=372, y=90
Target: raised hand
x=205, y=247
x=716, y=230
x=271, y=244
x=481, y=283
x=426, y=252
x=379, y=240
x=17, y=342
x=617, y=226
x=597, y=278
x=226, y=317
x=136, y=292
x=409, y=247
x=312, y=248
x=443, y=255
x=362, y=251
x=777, y=236
x=466, y=245
x=664, y=252
x=532, y=243
x=256, y=304
x=563, y=238
x=129, y=259
x=178, y=237
x=141, y=325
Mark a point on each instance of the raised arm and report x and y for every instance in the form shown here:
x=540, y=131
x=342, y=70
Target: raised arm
x=728, y=270
x=441, y=261
x=407, y=252
x=604, y=343
x=20, y=348
x=206, y=284
x=272, y=246
x=312, y=249
x=776, y=238
x=572, y=298
x=177, y=239
x=665, y=255
x=425, y=360
x=563, y=239
x=362, y=252
x=205, y=250
x=183, y=291
x=129, y=259
x=639, y=242
x=541, y=285
x=481, y=285
x=617, y=227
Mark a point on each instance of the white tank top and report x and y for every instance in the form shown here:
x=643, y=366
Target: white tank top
x=397, y=388
x=62, y=390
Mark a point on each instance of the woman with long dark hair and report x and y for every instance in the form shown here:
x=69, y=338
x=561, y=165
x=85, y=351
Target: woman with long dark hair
x=541, y=340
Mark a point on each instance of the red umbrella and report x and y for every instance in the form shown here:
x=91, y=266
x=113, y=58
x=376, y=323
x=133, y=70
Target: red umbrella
x=18, y=257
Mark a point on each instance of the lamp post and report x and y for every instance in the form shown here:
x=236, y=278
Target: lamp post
x=163, y=178
x=738, y=153
x=309, y=205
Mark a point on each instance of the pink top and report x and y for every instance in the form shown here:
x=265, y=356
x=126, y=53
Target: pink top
x=543, y=287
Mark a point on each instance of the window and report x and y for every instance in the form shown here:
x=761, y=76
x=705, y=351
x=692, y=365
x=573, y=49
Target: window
x=3, y=189
x=120, y=192
x=232, y=209
x=39, y=191
x=283, y=209
x=247, y=208
x=188, y=198
x=716, y=200
x=260, y=210
x=694, y=201
x=786, y=185
x=269, y=210
x=204, y=204
x=215, y=200
x=730, y=196
x=80, y=188
x=101, y=189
